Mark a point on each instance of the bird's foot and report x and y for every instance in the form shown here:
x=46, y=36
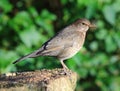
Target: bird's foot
x=67, y=71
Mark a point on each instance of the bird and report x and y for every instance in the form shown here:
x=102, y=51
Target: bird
x=65, y=44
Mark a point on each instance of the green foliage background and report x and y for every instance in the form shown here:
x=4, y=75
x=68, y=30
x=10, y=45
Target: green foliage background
x=26, y=24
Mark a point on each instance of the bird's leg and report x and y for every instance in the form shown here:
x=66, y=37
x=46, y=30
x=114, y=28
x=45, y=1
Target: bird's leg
x=65, y=68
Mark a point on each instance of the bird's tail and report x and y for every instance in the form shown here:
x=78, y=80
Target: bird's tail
x=24, y=57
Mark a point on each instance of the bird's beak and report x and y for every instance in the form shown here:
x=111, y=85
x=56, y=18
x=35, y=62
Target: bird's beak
x=92, y=26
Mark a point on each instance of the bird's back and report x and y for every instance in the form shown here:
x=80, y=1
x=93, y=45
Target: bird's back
x=65, y=43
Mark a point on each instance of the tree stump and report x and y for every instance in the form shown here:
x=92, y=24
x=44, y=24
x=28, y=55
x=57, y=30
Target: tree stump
x=41, y=80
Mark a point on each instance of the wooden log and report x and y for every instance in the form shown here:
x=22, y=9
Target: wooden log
x=41, y=80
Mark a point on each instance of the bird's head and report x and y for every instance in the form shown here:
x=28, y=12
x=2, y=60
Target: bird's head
x=83, y=24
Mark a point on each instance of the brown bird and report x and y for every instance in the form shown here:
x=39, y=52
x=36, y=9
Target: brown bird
x=65, y=44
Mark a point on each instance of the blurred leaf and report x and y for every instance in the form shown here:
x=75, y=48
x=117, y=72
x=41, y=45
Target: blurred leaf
x=100, y=24
x=114, y=59
x=99, y=59
x=101, y=84
x=82, y=72
x=64, y=2
x=114, y=85
x=33, y=12
x=5, y=61
x=83, y=2
x=20, y=21
x=101, y=34
x=71, y=63
x=116, y=5
x=22, y=49
x=102, y=73
x=66, y=15
x=45, y=21
x=93, y=71
x=117, y=38
x=113, y=69
x=30, y=36
x=3, y=21
x=94, y=45
x=110, y=45
x=5, y=5
x=47, y=15
x=91, y=8
x=109, y=14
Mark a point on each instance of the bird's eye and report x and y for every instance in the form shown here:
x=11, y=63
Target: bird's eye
x=83, y=24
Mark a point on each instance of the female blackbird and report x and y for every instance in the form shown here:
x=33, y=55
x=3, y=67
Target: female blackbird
x=65, y=43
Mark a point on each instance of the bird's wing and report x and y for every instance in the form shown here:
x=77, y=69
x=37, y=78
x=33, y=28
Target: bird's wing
x=51, y=48
x=57, y=44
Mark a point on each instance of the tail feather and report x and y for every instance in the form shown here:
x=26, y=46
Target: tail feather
x=31, y=55
x=25, y=57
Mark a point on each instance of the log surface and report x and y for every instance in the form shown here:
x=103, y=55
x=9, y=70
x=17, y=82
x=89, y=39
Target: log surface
x=41, y=80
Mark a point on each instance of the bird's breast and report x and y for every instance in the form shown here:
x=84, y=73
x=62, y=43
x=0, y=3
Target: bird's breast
x=70, y=51
x=77, y=45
